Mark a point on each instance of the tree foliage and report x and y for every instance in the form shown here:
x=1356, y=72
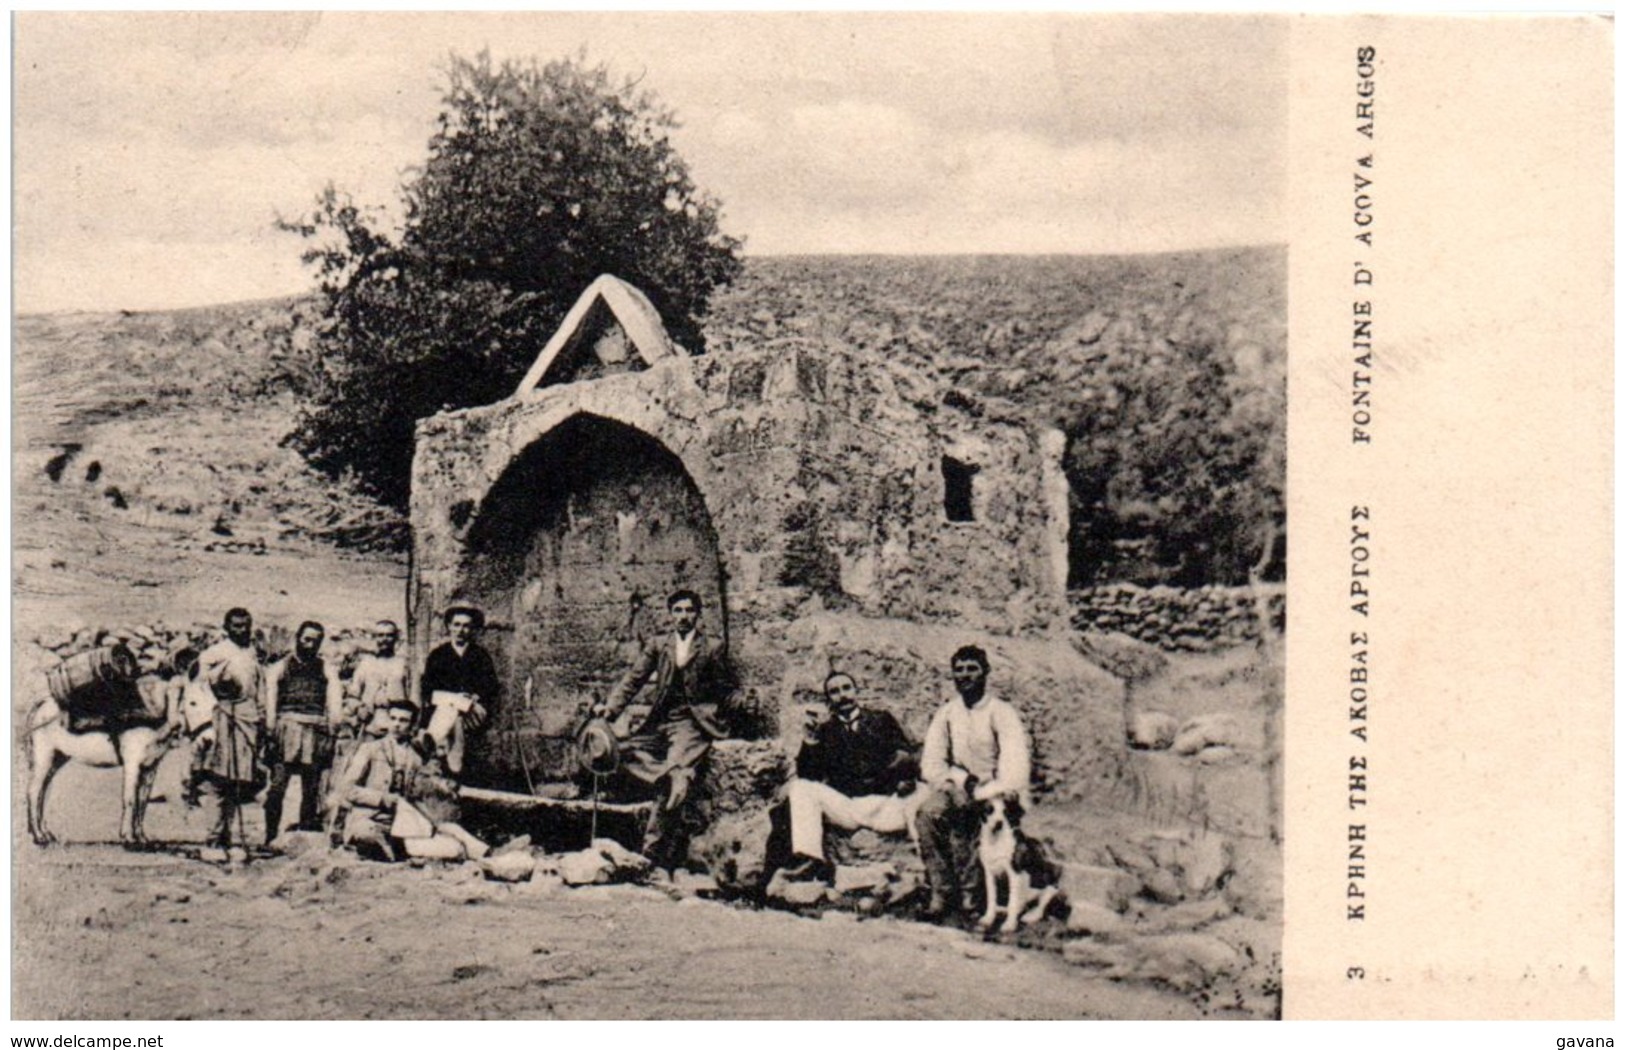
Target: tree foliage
x=538, y=179
x=1175, y=463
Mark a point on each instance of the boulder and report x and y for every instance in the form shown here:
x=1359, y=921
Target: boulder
x=865, y=878
x=1152, y=730
x=1163, y=886
x=1087, y=917
x=799, y=893
x=733, y=850
x=1096, y=955
x=584, y=868
x=1190, y=915
x=1208, y=861
x=1185, y=961
x=625, y=864
x=1107, y=888
x=509, y=867
x=691, y=884
x=604, y=861
x=742, y=775
x=1204, y=731
x=300, y=843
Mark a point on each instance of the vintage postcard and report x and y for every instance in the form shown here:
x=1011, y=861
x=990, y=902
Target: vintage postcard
x=811, y=516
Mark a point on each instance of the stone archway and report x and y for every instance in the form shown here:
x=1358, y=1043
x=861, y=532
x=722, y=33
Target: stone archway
x=573, y=553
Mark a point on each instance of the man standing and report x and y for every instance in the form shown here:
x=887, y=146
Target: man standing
x=858, y=770
x=975, y=749
x=380, y=676
x=230, y=776
x=302, y=709
x=693, y=681
x=461, y=675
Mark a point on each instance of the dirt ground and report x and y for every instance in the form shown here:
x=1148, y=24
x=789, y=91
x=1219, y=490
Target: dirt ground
x=102, y=933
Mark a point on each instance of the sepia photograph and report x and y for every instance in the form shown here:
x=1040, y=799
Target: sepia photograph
x=648, y=516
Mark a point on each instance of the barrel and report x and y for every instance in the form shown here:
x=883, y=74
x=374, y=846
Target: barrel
x=90, y=676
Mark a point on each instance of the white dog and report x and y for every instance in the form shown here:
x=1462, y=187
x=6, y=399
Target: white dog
x=1013, y=860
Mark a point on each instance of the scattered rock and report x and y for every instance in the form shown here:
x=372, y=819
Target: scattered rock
x=1185, y=960
x=514, y=845
x=1095, y=955
x=509, y=867
x=693, y=884
x=909, y=884
x=734, y=851
x=866, y=840
x=627, y=865
x=1208, y=861
x=1108, y=888
x=801, y=894
x=300, y=843
x=584, y=868
x=1088, y=917
x=1206, y=731
x=604, y=861
x=863, y=878
x=1131, y=857
x=1191, y=915
x=1152, y=730
x=1163, y=886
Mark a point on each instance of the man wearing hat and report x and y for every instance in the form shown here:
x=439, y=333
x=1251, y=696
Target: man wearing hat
x=691, y=682
x=461, y=676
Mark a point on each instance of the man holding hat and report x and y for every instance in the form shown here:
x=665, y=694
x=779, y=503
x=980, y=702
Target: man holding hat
x=692, y=681
x=460, y=679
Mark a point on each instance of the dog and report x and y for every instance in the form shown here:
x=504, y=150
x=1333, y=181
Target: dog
x=1009, y=858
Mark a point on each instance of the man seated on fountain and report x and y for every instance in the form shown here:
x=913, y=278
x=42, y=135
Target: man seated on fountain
x=858, y=769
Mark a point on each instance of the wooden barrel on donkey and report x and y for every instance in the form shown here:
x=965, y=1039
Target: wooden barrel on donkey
x=96, y=690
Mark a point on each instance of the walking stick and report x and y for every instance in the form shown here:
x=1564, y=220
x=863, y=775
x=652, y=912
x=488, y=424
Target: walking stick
x=595, y=779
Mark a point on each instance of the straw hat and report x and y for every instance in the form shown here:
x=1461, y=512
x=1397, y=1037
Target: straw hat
x=596, y=749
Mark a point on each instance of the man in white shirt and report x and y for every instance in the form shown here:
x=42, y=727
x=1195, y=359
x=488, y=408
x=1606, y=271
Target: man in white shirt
x=975, y=749
x=380, y=677
x=230, y=769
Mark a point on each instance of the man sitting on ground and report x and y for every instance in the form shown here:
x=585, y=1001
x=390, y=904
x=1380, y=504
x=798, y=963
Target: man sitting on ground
x=857, y=771
x=377, y=784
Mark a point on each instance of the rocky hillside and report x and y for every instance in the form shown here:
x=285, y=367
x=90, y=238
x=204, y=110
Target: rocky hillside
x=175, y=420
x=172, y=423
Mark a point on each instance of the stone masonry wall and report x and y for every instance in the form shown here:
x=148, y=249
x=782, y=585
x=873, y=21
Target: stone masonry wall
x=1174, y=618
x=818, y=489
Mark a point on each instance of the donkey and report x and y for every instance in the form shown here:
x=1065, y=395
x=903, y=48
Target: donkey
x=136, y=748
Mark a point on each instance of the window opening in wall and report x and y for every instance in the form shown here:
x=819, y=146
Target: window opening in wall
x=958, y=479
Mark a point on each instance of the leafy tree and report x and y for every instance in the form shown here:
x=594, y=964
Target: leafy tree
x=538, y=179
x=1176, y=462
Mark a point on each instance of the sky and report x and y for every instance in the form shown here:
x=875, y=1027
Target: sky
x=152, y=153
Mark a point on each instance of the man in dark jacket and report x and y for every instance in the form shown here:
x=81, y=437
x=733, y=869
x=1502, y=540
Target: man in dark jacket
x=858, y=770
x=692, y=682
x=302, y=707
x=461, y=676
